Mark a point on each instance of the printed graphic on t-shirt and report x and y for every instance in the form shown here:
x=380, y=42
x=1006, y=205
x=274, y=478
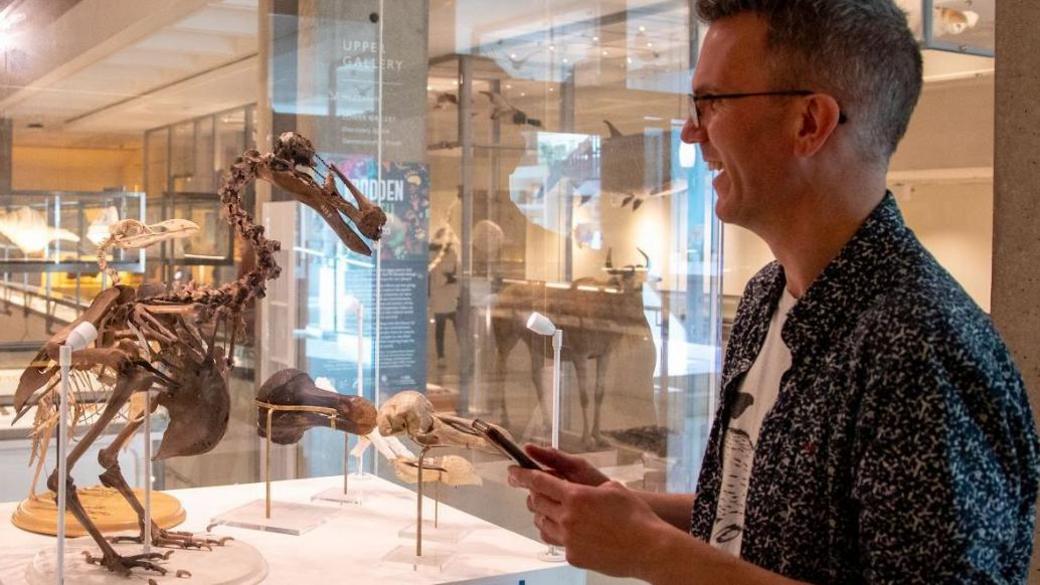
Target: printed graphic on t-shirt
x=755, y=398
x=740, y=450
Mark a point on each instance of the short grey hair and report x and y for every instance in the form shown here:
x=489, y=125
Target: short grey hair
x=859, y=51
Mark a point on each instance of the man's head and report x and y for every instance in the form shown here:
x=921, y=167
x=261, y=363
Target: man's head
x=856, y=58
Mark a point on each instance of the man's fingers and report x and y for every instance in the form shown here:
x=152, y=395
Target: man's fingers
x=546, y=485
x=549, y=530
x=554, y=458
x=540, y=504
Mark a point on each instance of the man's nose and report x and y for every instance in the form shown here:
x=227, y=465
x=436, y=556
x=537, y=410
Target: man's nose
x=693, y=134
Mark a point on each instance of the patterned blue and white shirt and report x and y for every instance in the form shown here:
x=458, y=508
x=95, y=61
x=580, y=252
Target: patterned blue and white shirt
x=901, y=448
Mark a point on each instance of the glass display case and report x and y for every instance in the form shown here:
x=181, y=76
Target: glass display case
x=528, y=161
x=963, y=26
x=49, y=260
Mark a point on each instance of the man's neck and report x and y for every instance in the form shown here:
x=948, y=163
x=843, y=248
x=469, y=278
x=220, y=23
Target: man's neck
x=815, y=230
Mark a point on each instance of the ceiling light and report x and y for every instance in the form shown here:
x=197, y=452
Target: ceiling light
x=595, y=39
x=8, y=22
x=605, y=53
x=523, y=94
x=642, y=29
x=552, y=47
x=565, y=60
x=512, y=55
x=508, y=86
x=650, y=45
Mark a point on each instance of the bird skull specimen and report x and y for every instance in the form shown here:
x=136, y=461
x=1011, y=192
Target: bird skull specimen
x=411, y=413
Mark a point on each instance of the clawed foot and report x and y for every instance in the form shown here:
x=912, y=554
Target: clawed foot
x=176, y=539
x=123, y=565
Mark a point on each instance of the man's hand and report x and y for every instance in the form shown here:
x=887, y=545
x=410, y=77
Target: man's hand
x=608, y=528
x=605, y=527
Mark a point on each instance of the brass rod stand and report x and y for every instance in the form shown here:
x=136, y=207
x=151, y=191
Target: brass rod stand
x=419, y=499
x=271, y=409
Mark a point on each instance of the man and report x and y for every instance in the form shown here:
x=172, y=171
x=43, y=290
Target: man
x=872, y=426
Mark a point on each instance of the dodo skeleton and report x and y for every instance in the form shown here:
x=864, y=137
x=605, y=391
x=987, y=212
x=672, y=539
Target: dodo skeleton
x=168, y=343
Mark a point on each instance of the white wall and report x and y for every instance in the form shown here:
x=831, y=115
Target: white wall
x=951, y=130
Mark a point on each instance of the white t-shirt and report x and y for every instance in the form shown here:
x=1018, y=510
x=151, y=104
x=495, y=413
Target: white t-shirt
x=756, y=397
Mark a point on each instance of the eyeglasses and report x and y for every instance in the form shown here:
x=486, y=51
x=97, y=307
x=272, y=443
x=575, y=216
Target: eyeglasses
x=696, y=100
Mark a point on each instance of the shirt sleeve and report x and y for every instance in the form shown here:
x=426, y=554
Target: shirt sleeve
x=945, y=474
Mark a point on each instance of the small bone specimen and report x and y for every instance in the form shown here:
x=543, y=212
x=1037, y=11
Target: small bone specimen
x=412, y=413
x=131, y=233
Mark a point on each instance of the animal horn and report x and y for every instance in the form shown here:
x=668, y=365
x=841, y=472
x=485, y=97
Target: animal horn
x=646, y=259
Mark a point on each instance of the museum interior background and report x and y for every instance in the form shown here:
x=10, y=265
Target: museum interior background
x=528, y=155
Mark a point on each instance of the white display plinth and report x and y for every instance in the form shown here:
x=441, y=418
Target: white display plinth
x=431, y=559
x=335, y=494
x=235, y=563
x=286, y=517
x=442, y=532
x=350, y=546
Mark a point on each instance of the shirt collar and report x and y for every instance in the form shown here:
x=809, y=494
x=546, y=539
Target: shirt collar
x=847, y=284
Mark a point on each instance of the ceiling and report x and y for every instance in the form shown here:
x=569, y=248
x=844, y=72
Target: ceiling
x=173, y=61
x=184, y=65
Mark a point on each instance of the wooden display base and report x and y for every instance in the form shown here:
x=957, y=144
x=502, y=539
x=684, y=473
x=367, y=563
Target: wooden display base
x=106, y=507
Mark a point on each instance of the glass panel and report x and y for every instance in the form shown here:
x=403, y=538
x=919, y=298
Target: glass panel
x=585, y=208
x=964, y=26
x=527, y=155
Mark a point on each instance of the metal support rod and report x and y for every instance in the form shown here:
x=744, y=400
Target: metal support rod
x=267, y=468
x=557, y=343
x=361, y=375
x=418, y=503
x=554, y=552
x=331, y=413
x=64, y=362
x=147, y=535
x=346, y=464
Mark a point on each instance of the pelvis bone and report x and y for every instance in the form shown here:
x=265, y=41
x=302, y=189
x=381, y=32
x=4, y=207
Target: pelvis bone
x=292, y=387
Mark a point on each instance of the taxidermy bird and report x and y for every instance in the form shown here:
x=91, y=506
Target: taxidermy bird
x=27, y=229
x=947, y=21
x=578, y=167
x=953, y=22
x=443, y=100
x=614, y=132
x=635, y=199
x=518, y=63
x=97, y=232
x=500, y=107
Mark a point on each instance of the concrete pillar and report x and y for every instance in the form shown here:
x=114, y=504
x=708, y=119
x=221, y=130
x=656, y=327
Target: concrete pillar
x=1016, y=201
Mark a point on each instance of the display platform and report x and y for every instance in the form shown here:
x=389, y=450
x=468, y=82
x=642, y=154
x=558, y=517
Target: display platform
x=350, y=547
x=435, y=532
x=106, y=506
x=336, y=494
x=285, y=517
x=235, y=563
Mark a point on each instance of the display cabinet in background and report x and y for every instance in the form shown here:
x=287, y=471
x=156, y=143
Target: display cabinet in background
x=528, y=158
x=48, y=255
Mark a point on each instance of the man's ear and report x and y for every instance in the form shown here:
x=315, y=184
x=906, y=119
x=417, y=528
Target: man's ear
x=819, y=119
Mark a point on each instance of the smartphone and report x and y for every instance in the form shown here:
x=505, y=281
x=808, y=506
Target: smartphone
x=505, y=444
